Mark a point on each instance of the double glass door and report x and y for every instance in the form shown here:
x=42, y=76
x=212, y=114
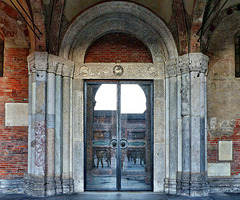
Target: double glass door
x=118, y=141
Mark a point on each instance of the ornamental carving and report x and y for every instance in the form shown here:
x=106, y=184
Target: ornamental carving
x=197, y=62
x=118, y=70
x=113, y=71
x=38, y=61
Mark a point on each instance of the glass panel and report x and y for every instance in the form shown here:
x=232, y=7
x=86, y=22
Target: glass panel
x=101, y=137
x=135, y=140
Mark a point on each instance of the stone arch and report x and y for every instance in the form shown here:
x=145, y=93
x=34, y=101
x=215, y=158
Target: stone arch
x=114, y=17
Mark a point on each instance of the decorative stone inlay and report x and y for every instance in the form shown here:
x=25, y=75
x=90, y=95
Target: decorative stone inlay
x=131, y=70
x=40, y=129
x=118, y=70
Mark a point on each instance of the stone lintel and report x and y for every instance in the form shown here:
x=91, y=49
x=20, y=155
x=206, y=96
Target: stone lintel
x=128, y=71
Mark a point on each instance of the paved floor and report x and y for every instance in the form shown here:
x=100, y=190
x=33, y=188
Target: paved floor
x=122, y=196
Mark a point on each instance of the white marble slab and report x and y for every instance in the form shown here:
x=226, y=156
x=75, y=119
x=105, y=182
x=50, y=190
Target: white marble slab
x=225, y=150
x=16, y=114
x=219, y=169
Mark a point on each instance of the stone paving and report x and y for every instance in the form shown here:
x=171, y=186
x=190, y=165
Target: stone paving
x=122, y=196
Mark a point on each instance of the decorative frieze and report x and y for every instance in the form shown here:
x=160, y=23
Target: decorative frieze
x=129, y=70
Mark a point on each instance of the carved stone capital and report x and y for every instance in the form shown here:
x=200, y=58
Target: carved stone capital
x=53, y=62
x=68, y=67
x=171, y=68
x=198, y=62
x=59, y=69
x=183, y=64
x=193, y=62
x=37, y=61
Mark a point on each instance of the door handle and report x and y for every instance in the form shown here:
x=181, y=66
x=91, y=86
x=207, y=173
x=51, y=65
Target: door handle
x=123, y=143
x=113, y=143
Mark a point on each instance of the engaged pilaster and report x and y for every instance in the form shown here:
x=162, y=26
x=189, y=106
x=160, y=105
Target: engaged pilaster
x=67, y=78
x=172, y=127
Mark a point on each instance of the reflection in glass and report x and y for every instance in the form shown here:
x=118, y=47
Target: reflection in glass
x=136, y=129
x=101, y=129
x=118, y=144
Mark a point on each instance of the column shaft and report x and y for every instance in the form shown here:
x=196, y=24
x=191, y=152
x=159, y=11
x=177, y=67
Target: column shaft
x=50, y=186
x=66, y=134
x=58, y=135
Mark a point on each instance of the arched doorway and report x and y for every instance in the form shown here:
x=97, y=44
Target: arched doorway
x=57, y=104
x=108, y=18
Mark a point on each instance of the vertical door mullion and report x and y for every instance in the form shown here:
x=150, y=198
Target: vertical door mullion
x=118, y=136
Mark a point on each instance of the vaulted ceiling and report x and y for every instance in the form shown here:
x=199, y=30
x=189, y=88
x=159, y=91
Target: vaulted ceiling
x=188, y=20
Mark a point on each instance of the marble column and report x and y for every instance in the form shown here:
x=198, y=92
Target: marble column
x=193, y=69
x=185, y=113
x=198, y=67
x=38, y=62
x=67, y=76
x=50, y=172
x=58, y=129
x=171, y=75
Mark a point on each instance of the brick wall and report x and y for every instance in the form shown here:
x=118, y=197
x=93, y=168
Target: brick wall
x=13, y=89
x=118, y=47
x=235, y=138
x=223, y=92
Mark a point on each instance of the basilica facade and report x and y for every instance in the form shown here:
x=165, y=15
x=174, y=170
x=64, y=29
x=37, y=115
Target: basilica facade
x=119, y=96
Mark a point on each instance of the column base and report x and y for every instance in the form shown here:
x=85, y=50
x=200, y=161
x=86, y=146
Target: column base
x=35, y=186
x=170, y=186
x=199, y=184
x=185, y=184
x=59, y=188
x=67, y=185
x=50, y=186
